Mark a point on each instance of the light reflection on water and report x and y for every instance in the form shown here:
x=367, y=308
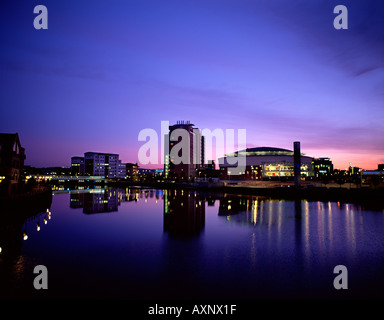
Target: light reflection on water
x=186, y=244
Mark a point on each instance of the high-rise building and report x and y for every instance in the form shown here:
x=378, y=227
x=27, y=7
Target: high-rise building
x=103, y=165
x=184, y=151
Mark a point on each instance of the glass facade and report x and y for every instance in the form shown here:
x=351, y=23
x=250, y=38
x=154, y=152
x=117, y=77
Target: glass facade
x=283, y=170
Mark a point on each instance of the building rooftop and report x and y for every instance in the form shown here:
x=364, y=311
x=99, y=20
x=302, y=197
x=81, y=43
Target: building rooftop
x=262, y=151
x=7, y=138
x=101, y=153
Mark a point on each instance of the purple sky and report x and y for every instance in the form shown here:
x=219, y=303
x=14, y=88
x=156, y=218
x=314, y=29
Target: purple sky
x=104, y=70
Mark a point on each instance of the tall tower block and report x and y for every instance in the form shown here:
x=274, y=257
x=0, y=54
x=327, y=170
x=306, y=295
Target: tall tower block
x=297, y=163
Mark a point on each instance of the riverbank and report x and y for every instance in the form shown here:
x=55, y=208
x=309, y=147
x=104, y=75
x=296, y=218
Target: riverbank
x=368, y=198
x=24, y=205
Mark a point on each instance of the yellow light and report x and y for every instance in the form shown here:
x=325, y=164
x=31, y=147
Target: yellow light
x=25, y=237
x=1, y=249
x=37, y=227
x=45, y=221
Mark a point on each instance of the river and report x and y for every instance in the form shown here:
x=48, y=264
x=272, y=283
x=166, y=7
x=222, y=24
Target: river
x=139, y=243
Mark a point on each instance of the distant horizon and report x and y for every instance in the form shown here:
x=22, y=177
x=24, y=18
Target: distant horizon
x=160, y=166
x=105, y=70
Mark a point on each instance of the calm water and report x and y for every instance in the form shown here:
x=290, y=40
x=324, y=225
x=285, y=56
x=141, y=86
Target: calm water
x=145, y=243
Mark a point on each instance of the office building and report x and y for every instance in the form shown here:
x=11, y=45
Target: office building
x=121, y=170
x=105, y=165
x=184, y=152
x=132, y=171
x=322, y=167
x=150, y=174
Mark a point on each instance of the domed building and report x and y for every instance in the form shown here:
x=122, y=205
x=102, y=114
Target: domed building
x=264, y=163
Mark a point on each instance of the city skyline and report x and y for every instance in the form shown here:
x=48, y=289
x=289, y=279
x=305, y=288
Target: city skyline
x=103, y=71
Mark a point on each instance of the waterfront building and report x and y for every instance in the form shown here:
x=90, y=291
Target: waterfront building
x=132, y=171
x=208, y=172
x=77, y=166
x=265, y=163
x=193, y=156
x=12, y=156
x=149, y=174
x=322, y=167
x=253, y=172
x=121, y=170
x=105, y=165
x=56, y=171
x=373, y=178
x=354, y=171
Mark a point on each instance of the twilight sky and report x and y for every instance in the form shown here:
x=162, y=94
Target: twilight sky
x=104, y=70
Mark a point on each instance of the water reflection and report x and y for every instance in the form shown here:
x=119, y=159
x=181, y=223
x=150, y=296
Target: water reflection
x=184, y=213
x=204, y=242
x=314, y=227
x=251, y=210
x=109, y=199
x=318, y=230
x=13, y=233
x=298, y=224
